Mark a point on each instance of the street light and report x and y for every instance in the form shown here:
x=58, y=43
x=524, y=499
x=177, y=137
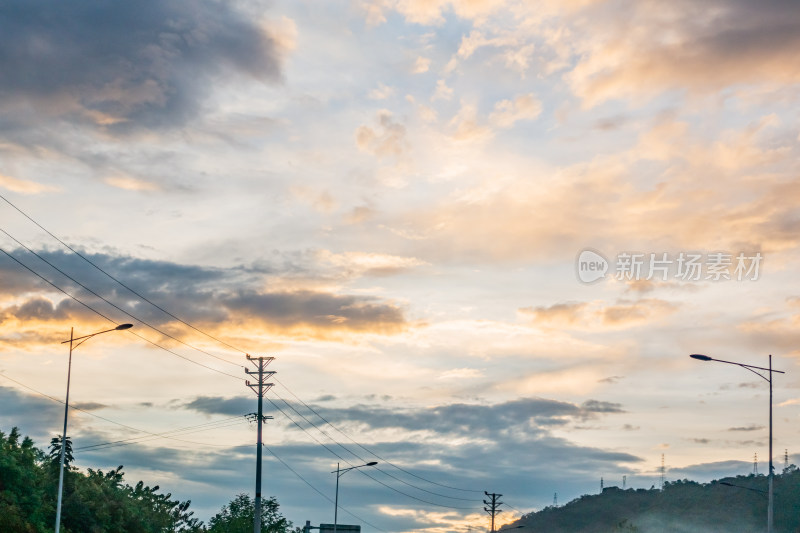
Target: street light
x=754, y=370
x=762, y=492
x=339, y=473
x=72, y=346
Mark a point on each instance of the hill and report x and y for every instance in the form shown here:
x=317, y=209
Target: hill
x=729, y=505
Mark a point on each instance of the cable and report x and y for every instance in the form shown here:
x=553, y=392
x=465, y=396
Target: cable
x=112, y=304
x=362, y=471
x=196, y=443
x=108, y=419
x=364, y=460
x=70, y=248
x=365, y=449
x=205, y=352
x=90, y=308
x=217, y=424
x=241, y=379
x=56, y=287
x=292, y=470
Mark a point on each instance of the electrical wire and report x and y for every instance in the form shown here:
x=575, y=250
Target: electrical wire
x=71, y=249
x=202, y=351
x=315, y=489
x=290, y=406
x=90, y=308
x=365, y=449
x=216, y=424
x=84, y=411
x=242, y=379
x=361, y=470
x=195, y=443
x=115, y=306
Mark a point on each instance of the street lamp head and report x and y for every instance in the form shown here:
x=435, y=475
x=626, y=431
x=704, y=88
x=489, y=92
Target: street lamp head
x=700, y=357
x=123, y=326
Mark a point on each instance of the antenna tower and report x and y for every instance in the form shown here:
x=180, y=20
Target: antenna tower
x=624, y=481
x=555, y=499
x=786, y=459
x=663, y=471
x=755, y=464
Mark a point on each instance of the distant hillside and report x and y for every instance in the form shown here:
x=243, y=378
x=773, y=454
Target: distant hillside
x=682, y=507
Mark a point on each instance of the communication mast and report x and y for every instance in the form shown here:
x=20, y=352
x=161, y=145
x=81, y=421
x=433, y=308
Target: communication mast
x=663, y=471
x=755, y=464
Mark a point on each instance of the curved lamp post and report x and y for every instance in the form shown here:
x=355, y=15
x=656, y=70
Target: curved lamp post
x=768, y=379
x=72, y=346
x=339, y=473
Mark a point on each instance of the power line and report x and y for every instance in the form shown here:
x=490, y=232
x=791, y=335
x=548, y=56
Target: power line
x=70, y=248
x=362, y=459
x=92, y=309
x=112, y=304
x=241, y=379
x=109, y=420
x=364, y=448
x=163, y=435
x=362, y=471
x=203, y=351
x=208, y=426
x=315, y=489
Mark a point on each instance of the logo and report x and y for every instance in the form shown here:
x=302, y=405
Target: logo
x=591, y=266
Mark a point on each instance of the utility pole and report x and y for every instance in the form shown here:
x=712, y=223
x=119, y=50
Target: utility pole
x=493, y=506
x=259, y=388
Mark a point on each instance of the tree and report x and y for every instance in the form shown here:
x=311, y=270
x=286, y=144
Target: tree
x=237, y=517
x=94, y=502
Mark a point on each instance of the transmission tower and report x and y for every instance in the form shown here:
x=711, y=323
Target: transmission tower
x=601, y=484
x=555, y=499
x=755, y=464
x=624, y=481
x=786, y=459
x=663, y=471
x=260, y=388
x=493, y=506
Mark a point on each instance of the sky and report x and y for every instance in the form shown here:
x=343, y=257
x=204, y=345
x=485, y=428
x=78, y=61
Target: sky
x=479, y=237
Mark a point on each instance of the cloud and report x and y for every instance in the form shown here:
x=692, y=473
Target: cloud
x=599, y=315
x=683, y=46
x=628, y=313
x=221, y=406
x=318, y=310
x=429, y=12
x=382, y=92
x=442, y=92
x=123, y=67
x=357, y=264
x=475, y=420
x=556, y=314
x=388, y=139
x=751, y=427
x=522, y=107
x=24, y=186
x=462, y=373
x=421, y=65
x=204, y=296
x=132, y=184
